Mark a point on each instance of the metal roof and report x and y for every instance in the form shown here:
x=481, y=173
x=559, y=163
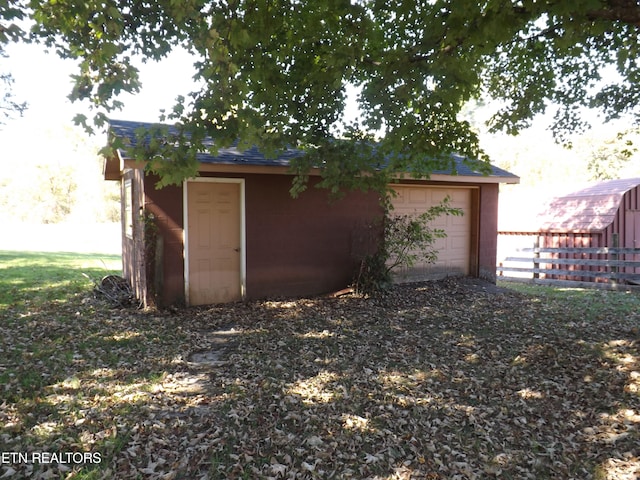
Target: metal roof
x=252, y=156
x=591, y=209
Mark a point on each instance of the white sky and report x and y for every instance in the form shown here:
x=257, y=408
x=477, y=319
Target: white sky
x=43, y=80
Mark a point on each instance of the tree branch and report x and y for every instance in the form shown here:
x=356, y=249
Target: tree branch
x=625, y=11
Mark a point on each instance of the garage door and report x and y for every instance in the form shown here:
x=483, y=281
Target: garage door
x=454, y=251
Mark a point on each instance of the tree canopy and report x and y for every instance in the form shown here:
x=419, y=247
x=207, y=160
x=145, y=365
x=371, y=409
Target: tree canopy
x=274, y=73
x=9, y=32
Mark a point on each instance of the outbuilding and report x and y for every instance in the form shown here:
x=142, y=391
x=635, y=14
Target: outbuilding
x=600, y=216
x=604, y=214
x=590, y=217
x=234, y=232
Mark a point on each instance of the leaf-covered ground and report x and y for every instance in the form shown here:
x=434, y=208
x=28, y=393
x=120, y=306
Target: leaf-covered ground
x=442, y=380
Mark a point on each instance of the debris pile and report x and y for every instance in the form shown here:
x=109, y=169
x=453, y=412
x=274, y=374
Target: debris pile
x=116, y=290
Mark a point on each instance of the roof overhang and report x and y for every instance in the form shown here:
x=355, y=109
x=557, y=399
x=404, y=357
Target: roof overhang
x=128, y=163
x=231, y=160
x=114, y=167
x=444, y=177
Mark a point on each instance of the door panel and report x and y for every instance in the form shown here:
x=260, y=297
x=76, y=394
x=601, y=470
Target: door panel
x=632, y=237
x=213, y=242
x=454, y=251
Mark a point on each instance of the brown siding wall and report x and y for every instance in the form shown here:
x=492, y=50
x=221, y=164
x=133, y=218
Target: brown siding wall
x=626, y=230
x=167, y=268
x=630, y=202
x=487, y=232
x=303, y=246
x=295, y=247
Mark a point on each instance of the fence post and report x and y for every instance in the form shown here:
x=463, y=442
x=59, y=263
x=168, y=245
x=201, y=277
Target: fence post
x=536, y=256
x=614, y=257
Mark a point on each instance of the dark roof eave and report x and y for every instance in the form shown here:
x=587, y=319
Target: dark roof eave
x=230, y=158
x=283, y=167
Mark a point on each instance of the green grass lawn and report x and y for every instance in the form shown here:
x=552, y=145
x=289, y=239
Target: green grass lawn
x=40, y=292
x=34, y=278
x=440, y=380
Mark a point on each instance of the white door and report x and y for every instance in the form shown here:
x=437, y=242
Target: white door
x=454, y=251
x=214, y=243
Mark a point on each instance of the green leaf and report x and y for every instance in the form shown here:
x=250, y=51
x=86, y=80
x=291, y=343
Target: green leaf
x=274, y=73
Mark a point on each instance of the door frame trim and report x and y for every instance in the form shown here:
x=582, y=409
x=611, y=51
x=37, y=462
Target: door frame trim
x=243, y=238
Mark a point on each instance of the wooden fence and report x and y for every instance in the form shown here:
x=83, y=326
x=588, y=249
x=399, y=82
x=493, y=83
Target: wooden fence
x=605, y=267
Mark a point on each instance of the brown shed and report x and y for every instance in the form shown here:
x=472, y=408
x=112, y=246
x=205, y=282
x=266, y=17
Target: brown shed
x=592, y=217
x=235, y=232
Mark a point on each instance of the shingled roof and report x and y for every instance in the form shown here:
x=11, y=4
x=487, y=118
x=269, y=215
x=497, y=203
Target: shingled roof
x=253, y=157
x=591, y=209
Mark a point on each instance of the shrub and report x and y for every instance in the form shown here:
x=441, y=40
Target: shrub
x=407, y=239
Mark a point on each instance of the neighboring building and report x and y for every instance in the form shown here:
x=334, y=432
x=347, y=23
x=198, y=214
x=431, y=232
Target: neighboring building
x=591, y=217
x=235, y=232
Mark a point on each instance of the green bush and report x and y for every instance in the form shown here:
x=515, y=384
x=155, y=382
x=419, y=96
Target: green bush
x=407, y=239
